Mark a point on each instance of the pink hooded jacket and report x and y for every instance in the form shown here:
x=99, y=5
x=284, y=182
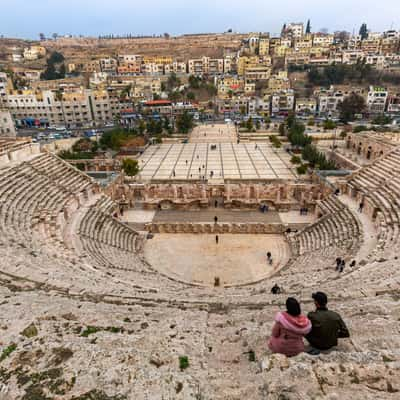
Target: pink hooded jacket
x=287, y=334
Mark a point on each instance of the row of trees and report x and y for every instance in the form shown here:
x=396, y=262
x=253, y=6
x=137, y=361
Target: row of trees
x=359, y=73
x=117, y=138
x=295, y=131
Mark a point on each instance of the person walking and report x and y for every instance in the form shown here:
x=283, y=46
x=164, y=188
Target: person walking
x=338, y=262
x=289, y=329
x=361, y=207
x=342, y=265
x=216, y=239
x=215, y=219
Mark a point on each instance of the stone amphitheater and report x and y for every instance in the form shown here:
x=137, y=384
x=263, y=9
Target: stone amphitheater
x=85, y=315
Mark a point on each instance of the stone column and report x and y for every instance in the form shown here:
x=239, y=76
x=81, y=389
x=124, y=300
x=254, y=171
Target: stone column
x=228, y=192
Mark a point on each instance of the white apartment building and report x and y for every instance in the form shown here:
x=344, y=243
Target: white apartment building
x=206, y=65
x=108, y=65
x=3, y=84
x=130, y=58
x=306, y=105
x=296, y=30
x=328, y=102
x=176, y=67
x=393, y=104
x=352, y=56
x=321, y=40
x=376, y=99
x=74, y=108
x=282, y=102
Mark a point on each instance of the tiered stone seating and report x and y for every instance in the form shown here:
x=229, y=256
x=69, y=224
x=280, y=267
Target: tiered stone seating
x=338, y=227
x=106, y=284
x=379, y=187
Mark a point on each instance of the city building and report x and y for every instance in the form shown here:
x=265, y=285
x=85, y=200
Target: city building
x=376, y=99
x=7, y=128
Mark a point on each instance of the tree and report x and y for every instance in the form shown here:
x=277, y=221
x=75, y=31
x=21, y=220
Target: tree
x=184, y=122
x=282, y=130
x=382, y=120
x=296, y=135
x=194, y=82
x=317, y=159
x=174, y=96
x=249, y=124
x=49, y=73
x=350, y=106
x=308, y=28
x=173, y=81
x=61, y=71
x=191, y=96
x=363, y=31
x=56, y=57
x=329, y=124
x=85, y=145
x=130, y=167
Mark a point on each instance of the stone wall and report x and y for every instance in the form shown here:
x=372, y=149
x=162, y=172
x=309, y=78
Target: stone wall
x=227, y=228
x=370, y=146
x=277, y=195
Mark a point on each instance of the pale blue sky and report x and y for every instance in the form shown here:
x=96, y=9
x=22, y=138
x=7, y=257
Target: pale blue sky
x=26, y=18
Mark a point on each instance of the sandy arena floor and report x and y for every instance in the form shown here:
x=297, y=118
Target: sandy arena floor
x=197, y=259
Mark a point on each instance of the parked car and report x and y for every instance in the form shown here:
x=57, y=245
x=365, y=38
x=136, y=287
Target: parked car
x=60, y=128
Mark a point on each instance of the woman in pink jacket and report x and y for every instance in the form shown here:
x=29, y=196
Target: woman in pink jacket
x=288, y=331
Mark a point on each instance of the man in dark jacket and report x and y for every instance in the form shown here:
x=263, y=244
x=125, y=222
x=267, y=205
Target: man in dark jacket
x=327, y=326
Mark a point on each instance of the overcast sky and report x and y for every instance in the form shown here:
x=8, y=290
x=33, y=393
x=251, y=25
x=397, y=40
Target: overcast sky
x=26, y=18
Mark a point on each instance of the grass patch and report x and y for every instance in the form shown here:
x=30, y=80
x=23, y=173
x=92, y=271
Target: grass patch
x=30, y=331
x=90, y=330
x=183, y=362
x=7, y=351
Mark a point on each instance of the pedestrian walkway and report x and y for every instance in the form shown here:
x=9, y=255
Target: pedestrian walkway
x=203, y=161
x=214, y=133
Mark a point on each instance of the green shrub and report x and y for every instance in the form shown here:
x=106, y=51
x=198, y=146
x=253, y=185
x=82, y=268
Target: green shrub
x=7, y=351
x=302, y=169
x=183, y=362
x=90, y=330
x=295, y=160
x=359, y=128
x=130, y=167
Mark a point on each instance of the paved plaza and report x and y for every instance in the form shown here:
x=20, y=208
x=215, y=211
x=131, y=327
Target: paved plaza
x=198, y=259
x=214, y=133
x=194, y=161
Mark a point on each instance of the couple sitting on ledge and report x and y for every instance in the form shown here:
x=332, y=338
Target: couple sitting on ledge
x=322, y=328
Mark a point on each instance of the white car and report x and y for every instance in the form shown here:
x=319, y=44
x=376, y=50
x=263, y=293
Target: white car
x=60, y=128
x=109, y=125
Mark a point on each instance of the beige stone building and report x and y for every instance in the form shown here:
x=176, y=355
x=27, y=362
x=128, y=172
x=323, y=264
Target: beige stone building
x=75, y=108
x=7, y=128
